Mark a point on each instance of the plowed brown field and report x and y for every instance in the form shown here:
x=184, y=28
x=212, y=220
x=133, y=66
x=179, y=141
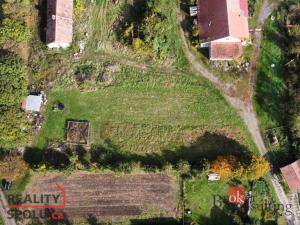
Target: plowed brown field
x=109, y=197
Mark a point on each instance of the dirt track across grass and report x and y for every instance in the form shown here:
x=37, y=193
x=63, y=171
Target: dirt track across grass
x=108, y=197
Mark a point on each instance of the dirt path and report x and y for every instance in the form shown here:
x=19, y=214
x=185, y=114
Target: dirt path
x=3, y=210
x=244, y=106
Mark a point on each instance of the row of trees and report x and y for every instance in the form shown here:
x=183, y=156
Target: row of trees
x=230, y=167
x=14, y=127
x=13, y=84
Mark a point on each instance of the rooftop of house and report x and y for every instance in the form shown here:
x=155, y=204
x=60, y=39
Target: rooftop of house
x=223, y=18
x=59, y=21
x=291, y=174
x=225, y=50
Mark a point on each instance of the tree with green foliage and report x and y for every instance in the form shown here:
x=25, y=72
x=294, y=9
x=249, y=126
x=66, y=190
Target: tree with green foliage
x=13, y=30
x=14, y=128
x=13, y=80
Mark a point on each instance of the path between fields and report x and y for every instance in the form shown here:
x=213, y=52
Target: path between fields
x=4, y=209
x=243, y=106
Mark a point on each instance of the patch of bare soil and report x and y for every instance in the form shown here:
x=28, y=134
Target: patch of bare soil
x=78, y=132
x=108, y=197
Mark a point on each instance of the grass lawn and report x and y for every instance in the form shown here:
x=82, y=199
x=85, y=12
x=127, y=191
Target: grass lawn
x=271, y=90
x=199, y=199
x=144, y=112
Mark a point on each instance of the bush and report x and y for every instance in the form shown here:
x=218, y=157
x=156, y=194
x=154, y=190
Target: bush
x=79, y=7
x=84, y=72
x=13, y=80
x=149, y=27
x=14, y=128
x=251, y=6
x=14, y=30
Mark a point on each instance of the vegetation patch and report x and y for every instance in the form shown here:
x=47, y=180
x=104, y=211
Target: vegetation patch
x=271, y=90
x=277, y=99
x=208, y=203
x=144, y=30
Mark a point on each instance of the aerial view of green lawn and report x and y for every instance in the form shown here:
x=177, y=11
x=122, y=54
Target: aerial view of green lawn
x=141, y=115
x=145, y=112
x=271, y=90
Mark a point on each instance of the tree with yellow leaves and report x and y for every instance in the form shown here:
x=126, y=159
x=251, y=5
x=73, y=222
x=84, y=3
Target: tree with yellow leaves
x=258, y=167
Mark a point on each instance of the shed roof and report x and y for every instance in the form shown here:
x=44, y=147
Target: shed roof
x=291, y=174
x=222, y=18
x=32, y=103
x=59, y=21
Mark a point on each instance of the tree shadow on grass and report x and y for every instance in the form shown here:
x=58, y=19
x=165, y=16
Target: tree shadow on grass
x=52, y=158
x=33, y=156
x=109, y=155
x=208, y=146
x=280, y=159
x=217, y=216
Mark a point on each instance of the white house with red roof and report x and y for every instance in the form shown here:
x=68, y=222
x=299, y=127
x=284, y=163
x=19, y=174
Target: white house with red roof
x=223, y=25
x=59, y=23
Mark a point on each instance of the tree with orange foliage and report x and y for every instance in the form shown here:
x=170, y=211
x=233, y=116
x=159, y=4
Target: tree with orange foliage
x=224, y=166
x=228, y=167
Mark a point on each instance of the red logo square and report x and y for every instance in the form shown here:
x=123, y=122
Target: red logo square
x=236, y=195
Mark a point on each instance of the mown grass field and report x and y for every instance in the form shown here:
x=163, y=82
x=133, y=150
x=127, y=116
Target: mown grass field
x=146, y=112
x=271, y=90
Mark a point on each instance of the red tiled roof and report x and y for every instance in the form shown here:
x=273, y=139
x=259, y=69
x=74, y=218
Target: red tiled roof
x=291, y=174
x=223, y=18
x=59, y=21
x=225, y=50
x=244, y=7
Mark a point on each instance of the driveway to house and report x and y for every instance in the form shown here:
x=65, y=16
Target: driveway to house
x=244, y=106
x=4, y=209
